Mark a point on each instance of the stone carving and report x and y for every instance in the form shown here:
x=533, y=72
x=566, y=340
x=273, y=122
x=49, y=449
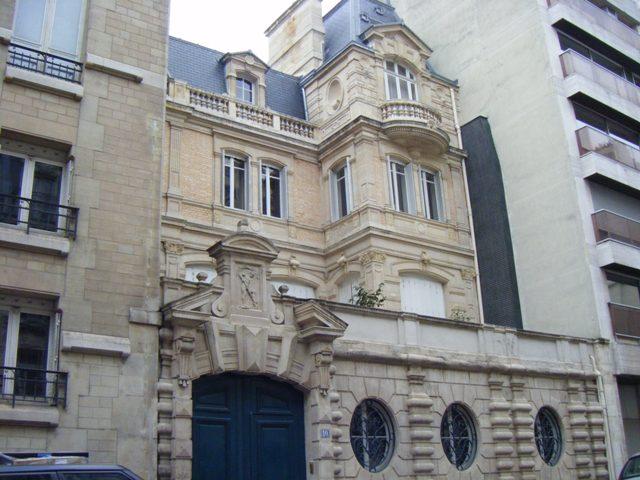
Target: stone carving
x=468, y=274
x=173, y=247
x=220, y=307
x=323, y=364
x=372, y=256
x=184, y=348
x=249, y=278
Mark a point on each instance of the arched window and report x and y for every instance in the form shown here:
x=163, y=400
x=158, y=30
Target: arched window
x=548, y=436
x=372, y=435
x=458, y=436
x=400, y=82
x=422, y=295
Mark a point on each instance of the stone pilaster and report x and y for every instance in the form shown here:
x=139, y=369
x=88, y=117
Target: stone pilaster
x=165, y=405
x=372, y=262
x=579, y=430
x=420, y=408
x=595, y=421
x=523, y=430
x=502, y=429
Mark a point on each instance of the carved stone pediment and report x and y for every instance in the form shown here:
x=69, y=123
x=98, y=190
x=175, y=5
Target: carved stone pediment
x=316, y=323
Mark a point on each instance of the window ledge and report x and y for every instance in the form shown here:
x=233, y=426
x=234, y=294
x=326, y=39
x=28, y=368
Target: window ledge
x=33, y=241
x=34, y=416
x=5, y=36
x=96, y=344
x=44, y=82
x=112, y=67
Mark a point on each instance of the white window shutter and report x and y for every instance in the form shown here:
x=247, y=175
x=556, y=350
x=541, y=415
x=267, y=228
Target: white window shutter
x=284, y=197
x=334, y=196
x=411, y=191
x=260, y=206
x=349, y=186
x=391, y=180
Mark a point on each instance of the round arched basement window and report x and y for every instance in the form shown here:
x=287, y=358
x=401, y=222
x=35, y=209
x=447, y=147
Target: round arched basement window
x=548, y=436
x=458, y=436
x=372, y=435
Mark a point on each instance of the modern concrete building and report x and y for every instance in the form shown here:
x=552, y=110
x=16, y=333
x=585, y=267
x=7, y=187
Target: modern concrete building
x=82, y=86
x=559, y=83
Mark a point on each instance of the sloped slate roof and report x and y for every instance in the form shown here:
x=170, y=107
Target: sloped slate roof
x=201, y=67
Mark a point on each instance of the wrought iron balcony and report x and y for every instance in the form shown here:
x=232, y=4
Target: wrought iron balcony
x=602, y=19
x=609, y=225
x=625, y=320
x=45, y=63
x=413, y=124
x=39, y=215
x=592, y=140
x=575, y=64
x=30, y=385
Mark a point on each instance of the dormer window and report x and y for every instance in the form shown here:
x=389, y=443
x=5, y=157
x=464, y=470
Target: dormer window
x=400, y=82
x=244, y=90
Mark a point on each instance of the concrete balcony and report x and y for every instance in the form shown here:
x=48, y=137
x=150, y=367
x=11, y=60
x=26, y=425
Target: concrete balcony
x=618, y=240
x=625, y=320
x=598, y=23
x=412, y=124
x=605, y=157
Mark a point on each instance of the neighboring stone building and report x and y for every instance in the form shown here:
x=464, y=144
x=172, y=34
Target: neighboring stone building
x=565, y=117
x=82, y=87
x=286, y=188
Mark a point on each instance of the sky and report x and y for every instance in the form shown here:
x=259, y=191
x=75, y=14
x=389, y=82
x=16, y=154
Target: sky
x=229, y=26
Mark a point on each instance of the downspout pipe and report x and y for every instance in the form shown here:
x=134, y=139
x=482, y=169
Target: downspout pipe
x=605, y=415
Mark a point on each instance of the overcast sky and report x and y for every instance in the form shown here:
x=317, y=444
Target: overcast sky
x=229, y=26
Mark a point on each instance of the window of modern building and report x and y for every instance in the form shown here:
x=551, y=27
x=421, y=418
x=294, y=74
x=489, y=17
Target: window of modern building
x=52, y=26
x=548, y=436
x=341, y=195
x=347, y=287
x=295, y=288
x=272, y=190
x=458, y=436
x=401, y=186
x=607, y=125
x=400, y=82
x=31, y=192
x=432, y=195
x=200, y=273
x=372, y=435
x=623, y=289
x=235, y=180
x=25, y=343
x=422, y=295
x=244, y=90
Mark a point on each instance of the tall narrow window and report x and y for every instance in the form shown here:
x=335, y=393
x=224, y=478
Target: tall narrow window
x=400, y=82
x=401, y=187
x=235, y=182
x=271, y=186
x=341, y=190
x=432, y=195
x=49, y=25
x=244, y=90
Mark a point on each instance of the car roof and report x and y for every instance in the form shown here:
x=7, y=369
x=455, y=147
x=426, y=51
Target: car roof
x=59, y=468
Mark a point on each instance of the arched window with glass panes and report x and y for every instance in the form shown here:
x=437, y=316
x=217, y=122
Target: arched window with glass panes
x=400, y=82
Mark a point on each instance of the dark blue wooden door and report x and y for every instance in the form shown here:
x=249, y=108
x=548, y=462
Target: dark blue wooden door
x=247, y=428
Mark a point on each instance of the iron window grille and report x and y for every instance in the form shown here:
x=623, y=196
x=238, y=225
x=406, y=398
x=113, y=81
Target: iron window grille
x=30, y=385
x=40, y=215
x=45, y=63
x=372, y=435
x=458, y=436
x=548, y=436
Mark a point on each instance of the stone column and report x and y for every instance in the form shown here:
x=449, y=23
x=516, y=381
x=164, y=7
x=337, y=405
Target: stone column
x=174, y=193
x=579, y=432
x=502, y=429
x=523, y=428
x=165, y=405
x=420, y=408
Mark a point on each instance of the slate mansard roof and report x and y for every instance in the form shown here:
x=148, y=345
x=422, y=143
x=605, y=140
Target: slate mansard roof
x=201, y=67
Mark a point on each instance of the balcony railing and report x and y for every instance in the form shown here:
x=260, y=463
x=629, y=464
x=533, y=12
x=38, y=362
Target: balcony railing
x=29, y=385
x=592, y=140
x=625, y=320
x=609, y=225
x=403, y=110
x=45, y=63
x=602, y=19
x=39, y=215
x=219, y=104
x=573, y=63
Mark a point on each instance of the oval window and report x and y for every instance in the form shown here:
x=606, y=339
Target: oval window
x=458, y=436
x=372, y=435
x=548, y=436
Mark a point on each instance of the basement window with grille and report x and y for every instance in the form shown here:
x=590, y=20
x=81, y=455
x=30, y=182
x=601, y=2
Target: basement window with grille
x=458, y=436
x=372, y=435
x=548, y=436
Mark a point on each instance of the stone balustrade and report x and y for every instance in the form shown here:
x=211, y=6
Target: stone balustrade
x=403, y=110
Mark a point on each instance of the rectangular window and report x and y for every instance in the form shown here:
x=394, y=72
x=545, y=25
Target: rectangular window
x=235, y=182
x=432, y=195
x=399, y=195
x=400, y=82
x=607, y=125
x=244, y=90
x=341, y=190
x=271, y=186
x=623, y=289
x=31, y=192
x=52, y=26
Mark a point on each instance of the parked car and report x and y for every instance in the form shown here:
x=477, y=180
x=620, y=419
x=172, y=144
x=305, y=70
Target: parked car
x=66, y=472
x=631, y=469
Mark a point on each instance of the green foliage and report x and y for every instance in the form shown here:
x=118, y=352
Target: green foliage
x=459, y=313
x=365, y=298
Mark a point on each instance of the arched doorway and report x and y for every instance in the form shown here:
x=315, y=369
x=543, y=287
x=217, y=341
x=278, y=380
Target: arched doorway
x=247, y=428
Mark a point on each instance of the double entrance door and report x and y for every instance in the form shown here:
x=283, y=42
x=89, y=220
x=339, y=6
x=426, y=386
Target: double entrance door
x=247, y=428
